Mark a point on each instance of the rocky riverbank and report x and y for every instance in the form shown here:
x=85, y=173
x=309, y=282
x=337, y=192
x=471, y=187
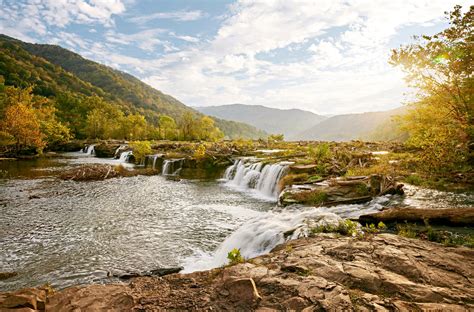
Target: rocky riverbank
x=382, y=272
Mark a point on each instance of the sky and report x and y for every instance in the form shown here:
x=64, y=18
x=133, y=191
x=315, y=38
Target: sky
x=325, y=56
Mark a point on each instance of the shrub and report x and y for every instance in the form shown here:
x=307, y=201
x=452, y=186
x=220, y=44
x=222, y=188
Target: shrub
x=200, y=152
x=346, y=228
x=235, y=257
x=321, y=153
x=140, y=150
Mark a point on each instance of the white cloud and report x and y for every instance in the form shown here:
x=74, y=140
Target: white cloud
x=20, y=18
x=326, y=56
x=146, y=40
x=182, y=16
x=345, y=68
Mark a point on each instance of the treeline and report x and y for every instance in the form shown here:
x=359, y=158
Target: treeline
x=31, y=122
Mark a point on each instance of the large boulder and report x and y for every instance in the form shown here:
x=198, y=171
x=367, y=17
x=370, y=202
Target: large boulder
x=106, y=150
x=351, y=190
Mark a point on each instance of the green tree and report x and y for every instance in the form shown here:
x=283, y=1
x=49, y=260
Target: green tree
x=206, y=130
x=440, y=121
x=167, y=127
x=53, y=130
x=140, y=150
x=188, y=127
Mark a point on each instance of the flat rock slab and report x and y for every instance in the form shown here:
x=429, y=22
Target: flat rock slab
x=383, y=272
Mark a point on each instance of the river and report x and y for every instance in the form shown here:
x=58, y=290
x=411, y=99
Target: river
x=67, y=233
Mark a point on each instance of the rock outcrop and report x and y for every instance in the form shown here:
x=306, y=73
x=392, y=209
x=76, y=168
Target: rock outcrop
x=351, y=190
x=384, y=272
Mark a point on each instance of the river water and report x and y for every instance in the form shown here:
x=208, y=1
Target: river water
x=67, y=233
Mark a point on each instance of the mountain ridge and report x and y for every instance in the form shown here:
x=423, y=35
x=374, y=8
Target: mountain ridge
x=54, y=70
x=272, y=120
x=344, y=127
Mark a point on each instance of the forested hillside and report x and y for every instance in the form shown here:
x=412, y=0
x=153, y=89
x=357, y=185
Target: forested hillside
x=83, y=92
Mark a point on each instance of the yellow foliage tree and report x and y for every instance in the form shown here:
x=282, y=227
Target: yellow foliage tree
x=21, y=123
x=441, y=121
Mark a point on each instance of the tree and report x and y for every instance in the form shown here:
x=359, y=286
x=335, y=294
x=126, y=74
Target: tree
x=96, y=124
x=21, y=123
x=140, y=150
x=167, y=127
x=53, y=130
x=207, y=131
x=440, y=68
x=188, y=127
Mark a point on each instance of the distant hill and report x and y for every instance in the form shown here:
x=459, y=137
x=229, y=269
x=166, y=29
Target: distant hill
x=349, y=127
x=54, y=70
x=286, y=121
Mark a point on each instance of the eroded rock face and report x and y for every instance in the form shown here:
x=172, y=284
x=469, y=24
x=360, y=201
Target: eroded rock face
x=351, y=190
x=380, y=273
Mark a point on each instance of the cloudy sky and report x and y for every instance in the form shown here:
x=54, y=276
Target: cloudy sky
x=326, y=56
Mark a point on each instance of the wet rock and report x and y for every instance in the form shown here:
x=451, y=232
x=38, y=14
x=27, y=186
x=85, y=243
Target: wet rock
x=7, y=275
x=156, y=272
x=450, y=217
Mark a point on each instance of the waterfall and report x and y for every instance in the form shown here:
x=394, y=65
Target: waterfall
x=261, y=234
x=262, y=178
x=89, y=149
x=171, y=166
x=124, y=156
x=269, y=178
x=118, y=151
x=155, y=157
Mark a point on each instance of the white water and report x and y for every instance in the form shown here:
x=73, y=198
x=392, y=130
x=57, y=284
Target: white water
x=265, y=231
x=89, y=149
x=119, y=150
x=155, y=157
x=261, y=234
x=262, y=178
x=171, y=166
x=124, y=156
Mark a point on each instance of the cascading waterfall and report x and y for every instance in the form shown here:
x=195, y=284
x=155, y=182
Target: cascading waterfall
x=89, y=149
x=171, y=166
x=263, y=178
x=260, y=235
x=124, y=156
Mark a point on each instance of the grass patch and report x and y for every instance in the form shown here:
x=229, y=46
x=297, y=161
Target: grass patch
x=426, y=232
x=345, y=228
